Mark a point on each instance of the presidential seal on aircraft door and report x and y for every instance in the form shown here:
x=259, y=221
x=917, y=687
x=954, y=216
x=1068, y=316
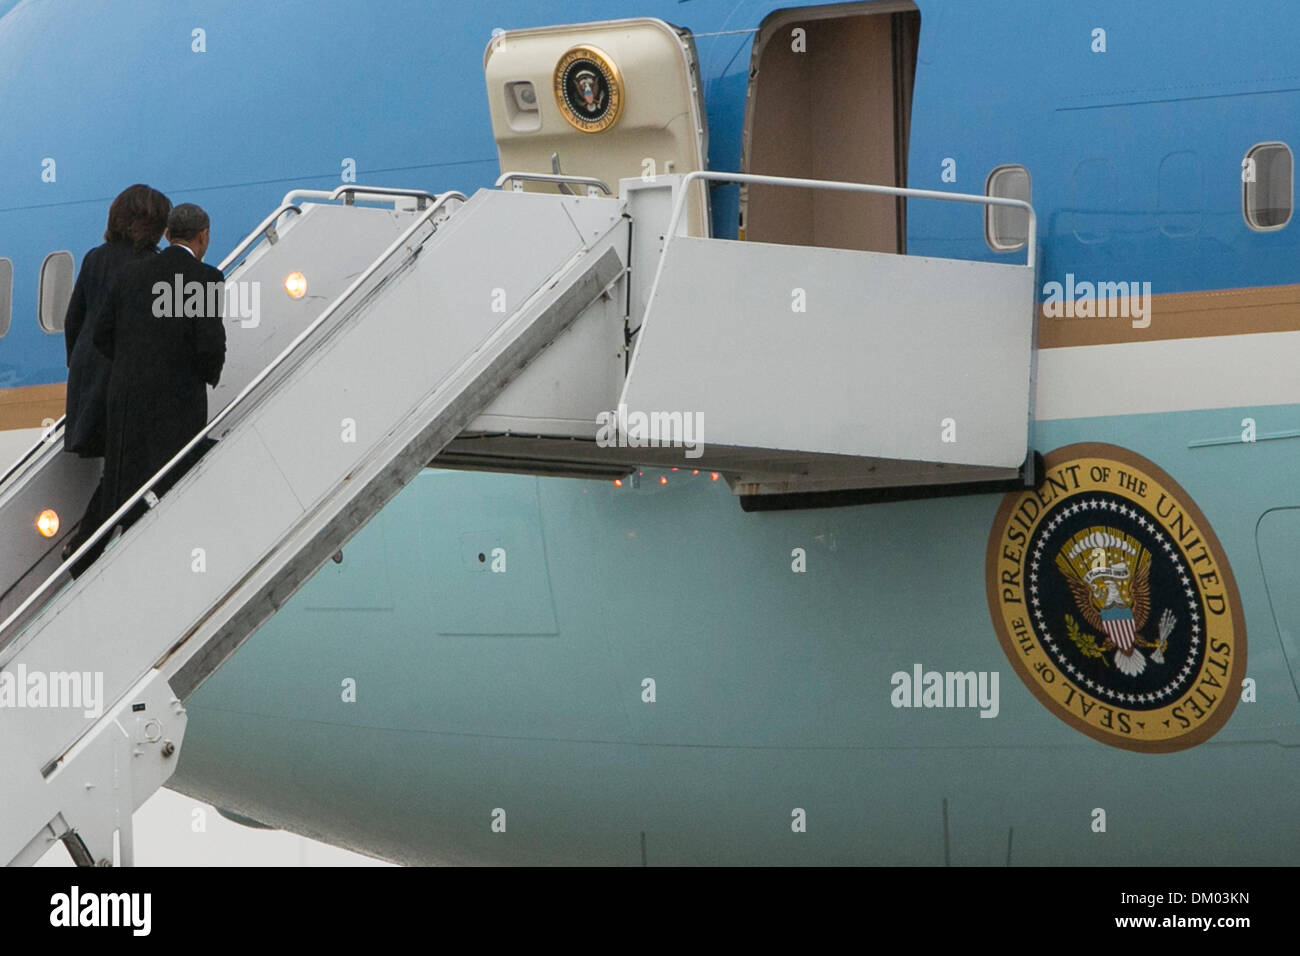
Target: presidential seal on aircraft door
x=588, y=89
x=1114, y=601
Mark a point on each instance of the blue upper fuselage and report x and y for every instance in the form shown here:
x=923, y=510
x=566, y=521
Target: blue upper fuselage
x=1135, y=153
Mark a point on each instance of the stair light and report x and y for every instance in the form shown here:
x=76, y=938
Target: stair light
x=296, y=285
x=47, y=523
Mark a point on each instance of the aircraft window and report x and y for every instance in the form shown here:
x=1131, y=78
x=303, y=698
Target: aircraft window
x=1004, y=227
x=6, y=295
x=1267, y=186
x=57, y=274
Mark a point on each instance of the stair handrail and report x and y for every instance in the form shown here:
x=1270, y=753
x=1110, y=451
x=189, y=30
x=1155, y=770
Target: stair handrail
x=517, y=179
x=147, y=489
x=1031, y=235
x=265, y=229
x=351, y=193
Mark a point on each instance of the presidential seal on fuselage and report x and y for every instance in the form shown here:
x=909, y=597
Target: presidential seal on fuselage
x=1115, y=603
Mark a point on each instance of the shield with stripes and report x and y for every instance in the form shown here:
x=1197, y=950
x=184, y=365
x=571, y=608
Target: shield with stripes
x=1118, y=624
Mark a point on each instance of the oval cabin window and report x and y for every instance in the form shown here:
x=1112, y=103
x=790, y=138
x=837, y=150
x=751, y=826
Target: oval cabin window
x=6, y=295
x=1267, y=185
x=1005, y=227
x=58, y=272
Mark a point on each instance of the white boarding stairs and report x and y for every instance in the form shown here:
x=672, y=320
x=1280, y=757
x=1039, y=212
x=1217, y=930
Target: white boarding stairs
x=791, y=370
x=408, y=348
x=389, y=369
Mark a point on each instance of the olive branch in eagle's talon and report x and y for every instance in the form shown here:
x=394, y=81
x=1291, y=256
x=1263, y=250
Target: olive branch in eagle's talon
x=1086, y=643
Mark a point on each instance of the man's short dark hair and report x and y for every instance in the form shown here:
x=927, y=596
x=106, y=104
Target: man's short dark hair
x=186, y=221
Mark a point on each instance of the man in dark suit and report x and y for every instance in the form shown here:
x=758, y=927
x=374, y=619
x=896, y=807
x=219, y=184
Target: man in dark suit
x=163, y=331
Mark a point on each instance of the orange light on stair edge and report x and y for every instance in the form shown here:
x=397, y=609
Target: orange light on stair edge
x=47, y=523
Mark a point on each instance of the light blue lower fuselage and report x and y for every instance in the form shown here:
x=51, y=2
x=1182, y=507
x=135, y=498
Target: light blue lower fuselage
x=772, y=687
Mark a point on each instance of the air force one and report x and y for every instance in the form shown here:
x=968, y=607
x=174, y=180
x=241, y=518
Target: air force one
x=676, y=432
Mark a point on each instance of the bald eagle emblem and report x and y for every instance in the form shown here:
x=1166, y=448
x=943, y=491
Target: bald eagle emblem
x=590, y=96
x=588, y=89
x=1109, y=574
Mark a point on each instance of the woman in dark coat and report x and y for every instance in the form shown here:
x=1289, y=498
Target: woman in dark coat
x=136, y=221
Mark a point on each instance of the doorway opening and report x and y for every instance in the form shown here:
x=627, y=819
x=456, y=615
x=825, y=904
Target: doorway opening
x=830, y=97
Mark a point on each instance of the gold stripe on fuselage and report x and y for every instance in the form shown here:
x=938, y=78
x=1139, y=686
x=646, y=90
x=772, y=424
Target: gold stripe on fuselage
x=1179, y=315
x=31, y=406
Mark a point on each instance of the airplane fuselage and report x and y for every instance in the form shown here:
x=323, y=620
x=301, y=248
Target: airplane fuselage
x=656, y=676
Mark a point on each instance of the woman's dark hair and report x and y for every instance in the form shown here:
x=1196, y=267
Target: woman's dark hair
x=138, y=216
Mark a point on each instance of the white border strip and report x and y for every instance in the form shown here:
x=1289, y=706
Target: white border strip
x=1169, y=375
